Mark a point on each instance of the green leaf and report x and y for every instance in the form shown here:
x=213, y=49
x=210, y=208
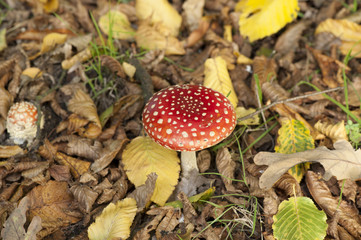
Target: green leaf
x=203, y=196
x=299, y=218
x=294, y=137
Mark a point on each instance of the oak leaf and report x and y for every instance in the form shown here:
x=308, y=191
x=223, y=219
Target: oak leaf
x=343, y=162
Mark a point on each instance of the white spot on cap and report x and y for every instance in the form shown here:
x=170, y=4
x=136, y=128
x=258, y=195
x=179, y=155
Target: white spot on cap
x=194, y=134
x=155, y=113
x=227, y=120
x=152, y=106
x=160, y=121
x=185, y=134
x=191, y=143
x=203, y=133
x=212, y=133
x=168, y=131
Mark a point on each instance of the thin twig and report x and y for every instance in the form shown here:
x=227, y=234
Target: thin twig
x=285, y=101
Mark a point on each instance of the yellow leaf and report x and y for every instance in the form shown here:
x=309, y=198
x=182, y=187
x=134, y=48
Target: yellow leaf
x=242, y=112
x=143, y=156
x=50, y=41
x=129, y=69
x=334, y=131
x=217, y=78
x=117, y=25
x=152, y=38
x=349, y=33
x=242, y=59
x=3, y=43
x=114, y=222
x=159, y=11
x=79, y=57
x=294, y=137
x=32, y=72
x=261, y=18
x=50, y=5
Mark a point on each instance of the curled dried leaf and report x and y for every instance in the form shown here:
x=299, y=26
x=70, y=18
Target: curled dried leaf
x=9, y=151
x=143, y=193
x=349, y=217
x=226, y=167
x=85, y=196
x=334, y=131
x=113, y=65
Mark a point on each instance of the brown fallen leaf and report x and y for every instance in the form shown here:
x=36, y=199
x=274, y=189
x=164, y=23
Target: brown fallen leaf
x=334, y=131
x=226, y=167
x=14, y=225
x=85, y=196
x=143, y=193
x=51, y=203
x=349, y=217
x=9, y=151
x=343, y=162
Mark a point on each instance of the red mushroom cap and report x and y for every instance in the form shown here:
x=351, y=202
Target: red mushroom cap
x=188, y=117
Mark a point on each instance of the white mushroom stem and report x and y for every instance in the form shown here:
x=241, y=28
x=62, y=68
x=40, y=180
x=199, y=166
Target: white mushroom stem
x=188, y=163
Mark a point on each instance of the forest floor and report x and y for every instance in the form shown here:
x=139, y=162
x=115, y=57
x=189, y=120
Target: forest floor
x=88, y=169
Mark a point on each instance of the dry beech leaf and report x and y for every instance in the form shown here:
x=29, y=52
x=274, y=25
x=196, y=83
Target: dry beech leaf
x=77, y=166
x=192, y=13
x=6, y=100
x=14, y=225
x=152, y=38
x=51, y=203
x=85, y=196
x=226, y=167
x=159, y=11
x=242, y=112
x=203, y=160
x=78, y=146
x=32, y=72
x=259, y=19
x=168, y=223
x=159, y=213
x=347, y=31
x=143, y=156
x=348, y=214
x=343, y=162
x=288, y=41
x=3, y=43
x=50, y=41
x=129, y=69
x=115, y=221
x=198, y=33
x=116, y=24
x=217, y=78
x=80, y=57
x=143, y=193
x=60, y=173
x=113, y=65
x=334, y=131
x=109, y=154
x=9, y=151
x=266, y=70
x=84, y=106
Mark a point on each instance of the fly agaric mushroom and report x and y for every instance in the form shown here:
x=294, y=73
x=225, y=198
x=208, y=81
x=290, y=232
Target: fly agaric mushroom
x=188, y=118
x=21, y=122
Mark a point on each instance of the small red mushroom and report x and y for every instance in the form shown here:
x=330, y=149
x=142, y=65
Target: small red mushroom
x=188, y=118
x=21, y=122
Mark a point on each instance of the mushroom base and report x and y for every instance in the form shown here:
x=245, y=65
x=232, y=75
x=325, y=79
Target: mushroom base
x=188, y=163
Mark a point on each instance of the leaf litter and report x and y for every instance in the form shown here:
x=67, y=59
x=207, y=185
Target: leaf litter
x=90, y=67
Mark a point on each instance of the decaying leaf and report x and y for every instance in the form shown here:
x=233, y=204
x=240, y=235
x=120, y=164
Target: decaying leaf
x=51, y=203
x=217, y=78
x=159, y=11
x=343, y=162
x=143, y=193
x=3, y=43
x=143, y=156
x=115, y=221
x=85, y=196
x=113, y=65
x=116, y=24
x=347, y=31
x=77, y=58
x=9, y=151
x=242, y=112
x=348, y=214
x=193, y=12
x=258, y=20
x=153, y=38
x=334, y=131
x=226, y=167
x=14, y=225
x=50, y=41
x=109, y=154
